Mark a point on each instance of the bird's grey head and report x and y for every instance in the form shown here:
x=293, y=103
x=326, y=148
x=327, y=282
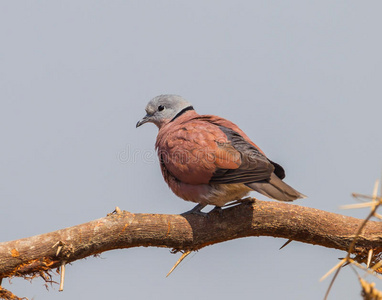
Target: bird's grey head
x=164, y=108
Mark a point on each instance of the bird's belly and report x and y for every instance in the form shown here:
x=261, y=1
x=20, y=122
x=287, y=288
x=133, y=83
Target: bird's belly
x=210, y=194
x=224, y=193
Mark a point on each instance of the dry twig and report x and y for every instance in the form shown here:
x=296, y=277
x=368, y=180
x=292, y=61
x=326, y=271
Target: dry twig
x=36, y=256
x=374, y=205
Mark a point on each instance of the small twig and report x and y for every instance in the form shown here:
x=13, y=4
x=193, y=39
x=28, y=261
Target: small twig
x=336, y=267
x=358, y=196
x=62, y=277
x=377, y=265
x=358, y=205
x=351, y=248
x=5, y=294
x=368, y=271
x=184, y=255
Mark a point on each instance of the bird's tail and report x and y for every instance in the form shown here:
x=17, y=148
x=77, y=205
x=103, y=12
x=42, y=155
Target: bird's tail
x=276, y=189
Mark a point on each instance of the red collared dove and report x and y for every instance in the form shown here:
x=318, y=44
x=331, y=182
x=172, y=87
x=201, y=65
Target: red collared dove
x=209, y=160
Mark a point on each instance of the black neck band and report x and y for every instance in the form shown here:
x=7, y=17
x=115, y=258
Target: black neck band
x=182, y=112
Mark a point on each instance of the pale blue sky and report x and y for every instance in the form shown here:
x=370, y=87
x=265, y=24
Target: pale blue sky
x=301, y=78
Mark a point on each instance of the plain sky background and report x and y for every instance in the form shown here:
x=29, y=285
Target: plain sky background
x=301, y=78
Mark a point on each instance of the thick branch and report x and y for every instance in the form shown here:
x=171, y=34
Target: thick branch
x=32, y=255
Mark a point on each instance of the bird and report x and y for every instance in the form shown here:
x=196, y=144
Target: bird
x=209, y=160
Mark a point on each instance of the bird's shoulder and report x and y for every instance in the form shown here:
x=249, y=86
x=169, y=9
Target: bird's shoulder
x=198, y=130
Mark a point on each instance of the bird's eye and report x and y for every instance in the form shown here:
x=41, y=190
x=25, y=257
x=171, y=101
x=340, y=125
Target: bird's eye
x=160, y=107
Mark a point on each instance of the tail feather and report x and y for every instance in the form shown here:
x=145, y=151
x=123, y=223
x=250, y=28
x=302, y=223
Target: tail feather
x=276, y=189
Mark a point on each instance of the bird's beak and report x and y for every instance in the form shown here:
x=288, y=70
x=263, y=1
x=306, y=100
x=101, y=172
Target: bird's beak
x=144, y=120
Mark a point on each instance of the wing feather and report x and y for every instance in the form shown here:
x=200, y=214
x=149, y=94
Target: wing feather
x=200, y=152
x=254, y=165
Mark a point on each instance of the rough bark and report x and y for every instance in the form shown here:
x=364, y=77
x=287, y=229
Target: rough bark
x=38, y=254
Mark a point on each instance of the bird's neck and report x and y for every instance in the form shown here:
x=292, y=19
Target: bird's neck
x=184, y=110
x=184, y=115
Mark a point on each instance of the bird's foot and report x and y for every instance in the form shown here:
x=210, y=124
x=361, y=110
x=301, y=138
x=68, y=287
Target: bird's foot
x=196, y=210
x=247, y=200
x=217, y=209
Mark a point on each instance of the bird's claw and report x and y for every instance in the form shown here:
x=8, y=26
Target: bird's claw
x=196, y=210
x=247, y=200
x=190, y=212
x=217, y=209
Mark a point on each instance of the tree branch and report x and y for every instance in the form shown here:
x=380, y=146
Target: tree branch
x=35, y=256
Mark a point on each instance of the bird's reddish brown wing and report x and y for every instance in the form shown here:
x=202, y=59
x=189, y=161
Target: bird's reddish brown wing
x=254, y=165
x=199, y=152
x=221, y=122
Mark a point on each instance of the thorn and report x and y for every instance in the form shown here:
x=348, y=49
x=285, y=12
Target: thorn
x=116, y=211
x=333, y=269
x=370, y=255
x=184, y=255
x=58, y=250
x=358, y=205
x=375, y=191
x=346, y=264
x=60, y=244
x=362, y=196
x=286, y=244
x=62, y=277
x=56, y=244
